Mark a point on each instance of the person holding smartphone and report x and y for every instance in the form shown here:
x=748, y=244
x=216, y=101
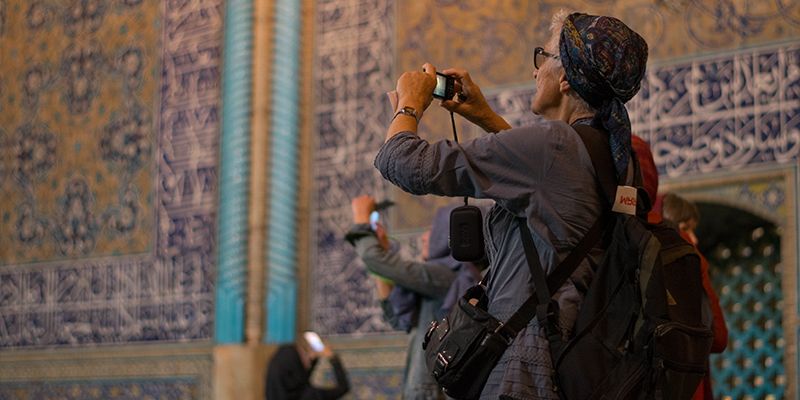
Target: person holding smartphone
x=541, y=173
x=290, y=368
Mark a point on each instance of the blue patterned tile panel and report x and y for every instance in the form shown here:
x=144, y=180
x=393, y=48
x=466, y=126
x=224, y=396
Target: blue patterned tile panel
x=120, y=248
x=167, y=389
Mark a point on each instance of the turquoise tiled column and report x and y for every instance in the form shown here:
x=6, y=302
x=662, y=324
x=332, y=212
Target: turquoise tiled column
x=281, y=296
x=234, y=174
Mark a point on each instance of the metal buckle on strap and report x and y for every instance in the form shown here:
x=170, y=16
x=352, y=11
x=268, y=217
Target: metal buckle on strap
x=442, y=360
x=441, y=364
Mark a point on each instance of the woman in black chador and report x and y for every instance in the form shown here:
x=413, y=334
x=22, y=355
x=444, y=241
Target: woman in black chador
x=289, y=374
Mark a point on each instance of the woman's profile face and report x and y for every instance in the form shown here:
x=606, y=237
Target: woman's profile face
x=548, y=94
x=547, y=77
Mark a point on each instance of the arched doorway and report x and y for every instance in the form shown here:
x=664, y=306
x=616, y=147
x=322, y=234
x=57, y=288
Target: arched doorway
x=744, y=253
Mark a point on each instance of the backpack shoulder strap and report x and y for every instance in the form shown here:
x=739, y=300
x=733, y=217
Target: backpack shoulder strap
x=596, y=143
x=539, y=302
x=669, y=256
x=673, y=246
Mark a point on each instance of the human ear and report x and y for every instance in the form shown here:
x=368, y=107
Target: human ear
x=563, y=84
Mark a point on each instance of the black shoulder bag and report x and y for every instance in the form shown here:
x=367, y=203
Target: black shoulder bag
x=464, y=347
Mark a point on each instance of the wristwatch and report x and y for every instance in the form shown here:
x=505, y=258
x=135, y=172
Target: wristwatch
x=410, y=111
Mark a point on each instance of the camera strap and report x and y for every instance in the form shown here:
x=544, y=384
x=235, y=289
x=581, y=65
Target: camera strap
x=455, y=139
x=466, y=226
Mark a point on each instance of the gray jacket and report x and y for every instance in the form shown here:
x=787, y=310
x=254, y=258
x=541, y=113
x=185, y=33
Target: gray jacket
x=541, y=173
x=431, y=281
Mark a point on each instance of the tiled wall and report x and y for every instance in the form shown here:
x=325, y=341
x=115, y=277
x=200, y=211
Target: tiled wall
x=108, y=171
x=109, y=128
x=721, y=97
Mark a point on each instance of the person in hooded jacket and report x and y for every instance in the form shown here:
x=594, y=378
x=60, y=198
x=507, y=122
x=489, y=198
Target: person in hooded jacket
x=413, y=293
x=289, y=373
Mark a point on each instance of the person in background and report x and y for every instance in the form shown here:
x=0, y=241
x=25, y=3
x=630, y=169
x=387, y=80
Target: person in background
x=412, y=293
x=290, y=368
x=647, y=167
x=684, y=216
x=540, y=173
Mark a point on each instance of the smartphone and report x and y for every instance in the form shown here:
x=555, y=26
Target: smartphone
x=314, y=341
x=374, y=219
x=445, y=87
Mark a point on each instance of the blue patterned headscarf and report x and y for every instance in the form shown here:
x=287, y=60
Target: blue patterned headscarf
x=604, y=62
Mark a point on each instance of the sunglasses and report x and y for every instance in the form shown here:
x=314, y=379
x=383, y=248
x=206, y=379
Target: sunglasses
x=540, y=56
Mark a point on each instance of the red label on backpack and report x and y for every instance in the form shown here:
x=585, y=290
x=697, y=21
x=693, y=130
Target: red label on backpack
x=625, y=201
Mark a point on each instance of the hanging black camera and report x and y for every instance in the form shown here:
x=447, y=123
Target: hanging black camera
x=466, y=233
